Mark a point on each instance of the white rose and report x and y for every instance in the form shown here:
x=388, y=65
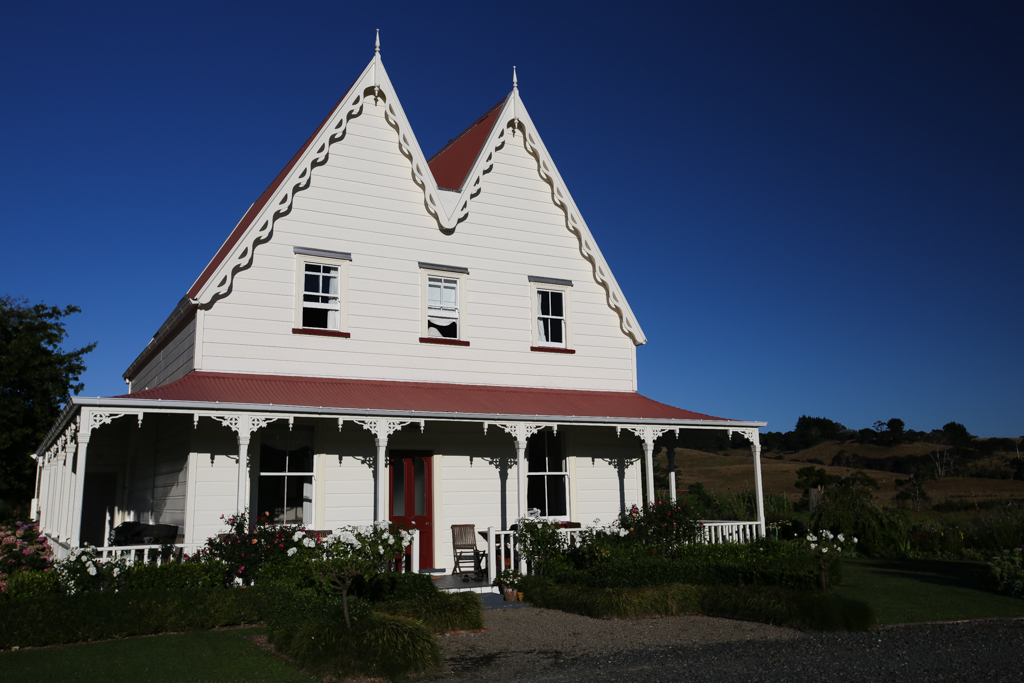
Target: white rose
x=297, y=537
x=308, y=542
x=92, y=570
x=841, y=539
x=292, y=551
x=824, y=550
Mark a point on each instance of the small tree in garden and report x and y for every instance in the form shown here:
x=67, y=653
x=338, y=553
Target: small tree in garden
x=827, y=547
x=338, y=559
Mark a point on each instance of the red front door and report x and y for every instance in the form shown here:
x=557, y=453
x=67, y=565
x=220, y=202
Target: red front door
x=411, y=501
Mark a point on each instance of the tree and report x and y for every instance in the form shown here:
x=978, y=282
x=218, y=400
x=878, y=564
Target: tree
x=36, y=378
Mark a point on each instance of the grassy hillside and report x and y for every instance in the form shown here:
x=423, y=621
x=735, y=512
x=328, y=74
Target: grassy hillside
x=734, y=471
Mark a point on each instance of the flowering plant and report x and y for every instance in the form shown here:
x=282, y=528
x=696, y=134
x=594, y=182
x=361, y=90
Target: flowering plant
x=828, y=548
x=22, y=549
x=250, y=546
x=83, y=571
x=349, y=552
x=663, y=525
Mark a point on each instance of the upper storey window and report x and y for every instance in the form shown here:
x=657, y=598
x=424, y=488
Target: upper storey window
x=321, y=305
x=552, y=314
x=443, y=307
x=444, y=304
x=550, y=318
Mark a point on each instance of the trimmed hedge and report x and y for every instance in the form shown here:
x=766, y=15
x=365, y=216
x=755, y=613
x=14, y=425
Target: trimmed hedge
x=377, y=646
x=767, y=563
x=57, y=620
x=619, y=603
x=811, y=611
x=441, y=613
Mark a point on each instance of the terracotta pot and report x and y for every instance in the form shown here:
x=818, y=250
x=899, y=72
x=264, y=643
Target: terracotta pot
x=520, y=596
x=510, y=595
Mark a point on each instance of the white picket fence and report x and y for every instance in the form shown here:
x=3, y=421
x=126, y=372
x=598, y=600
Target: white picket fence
x=712, y=531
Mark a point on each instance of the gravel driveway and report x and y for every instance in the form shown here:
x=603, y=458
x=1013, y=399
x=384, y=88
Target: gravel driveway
x=545, y=645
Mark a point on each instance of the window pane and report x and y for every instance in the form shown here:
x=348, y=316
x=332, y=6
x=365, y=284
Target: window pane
x=535, y=497
x=536, y=453
x=272, y=459
x=557, y=506
x=451, y=297
x=312, y=267
x=330, y=284
x=333, y=320
x=312, y=283
x=437, y=328
x=301, y=460
x=315, y=317
x=419, y=474
x=295, y=490
x=544, y=329
x=556, y=461
x=398, y=486
x=434, y=294
x=555, y=331
x=270, y=495
x=556, y=304
x=307, y=500
x=545, y=302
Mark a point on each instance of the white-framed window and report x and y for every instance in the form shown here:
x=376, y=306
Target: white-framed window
x=444, y=303
x=321, y=304
x=551, y=306
x=547, y=476
x=550, y=318
x=442, y=307
x=321, y=291
x=286, y=476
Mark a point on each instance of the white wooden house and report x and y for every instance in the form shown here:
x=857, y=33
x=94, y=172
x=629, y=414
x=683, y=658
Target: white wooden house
x=435, y=341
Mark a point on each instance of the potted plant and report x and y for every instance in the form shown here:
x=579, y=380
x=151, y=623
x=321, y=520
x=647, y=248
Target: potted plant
x=508, y=581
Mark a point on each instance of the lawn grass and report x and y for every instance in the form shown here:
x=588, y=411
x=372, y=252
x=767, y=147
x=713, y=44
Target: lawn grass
x=907, y=591
x=222, y=656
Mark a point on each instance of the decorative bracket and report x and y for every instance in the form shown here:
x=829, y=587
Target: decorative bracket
x=648, y=433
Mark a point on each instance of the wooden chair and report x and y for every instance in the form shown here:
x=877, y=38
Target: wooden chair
x=465, y=550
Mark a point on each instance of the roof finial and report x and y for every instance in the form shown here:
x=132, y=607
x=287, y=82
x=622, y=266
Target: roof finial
x=515, y=96
x=376, y=59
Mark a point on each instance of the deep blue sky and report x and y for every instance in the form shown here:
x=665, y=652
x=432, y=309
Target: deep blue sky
x=813, y=208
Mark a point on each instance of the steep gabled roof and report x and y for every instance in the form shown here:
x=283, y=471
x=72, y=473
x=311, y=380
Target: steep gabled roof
x=453, y=163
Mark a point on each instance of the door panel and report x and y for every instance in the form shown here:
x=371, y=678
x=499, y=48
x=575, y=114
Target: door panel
x=411, y=500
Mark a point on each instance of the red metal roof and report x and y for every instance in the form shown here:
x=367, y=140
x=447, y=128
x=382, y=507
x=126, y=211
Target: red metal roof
x=452, y=164
x=426, y=397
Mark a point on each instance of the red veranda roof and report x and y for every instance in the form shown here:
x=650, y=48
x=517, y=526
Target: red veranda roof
x=419, y=397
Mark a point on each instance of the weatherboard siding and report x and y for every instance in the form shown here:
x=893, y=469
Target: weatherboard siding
x=175, y=360
x=363, y=201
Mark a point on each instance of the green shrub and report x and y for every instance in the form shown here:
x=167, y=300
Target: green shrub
x=395, y=587
x=810, y=611
x=766, y=562
x=1007, y=570
x=814, y=611
x=879, y=531
x=378, y=645
x=174, y=576
x=61, y=619
x=621, y=603
x=22, y=549
x=663, y=525
x=32, y=584
x=440, y=613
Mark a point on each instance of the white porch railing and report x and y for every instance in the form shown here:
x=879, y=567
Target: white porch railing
x=712, y=531
x=501, y=552
x=146, y=553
